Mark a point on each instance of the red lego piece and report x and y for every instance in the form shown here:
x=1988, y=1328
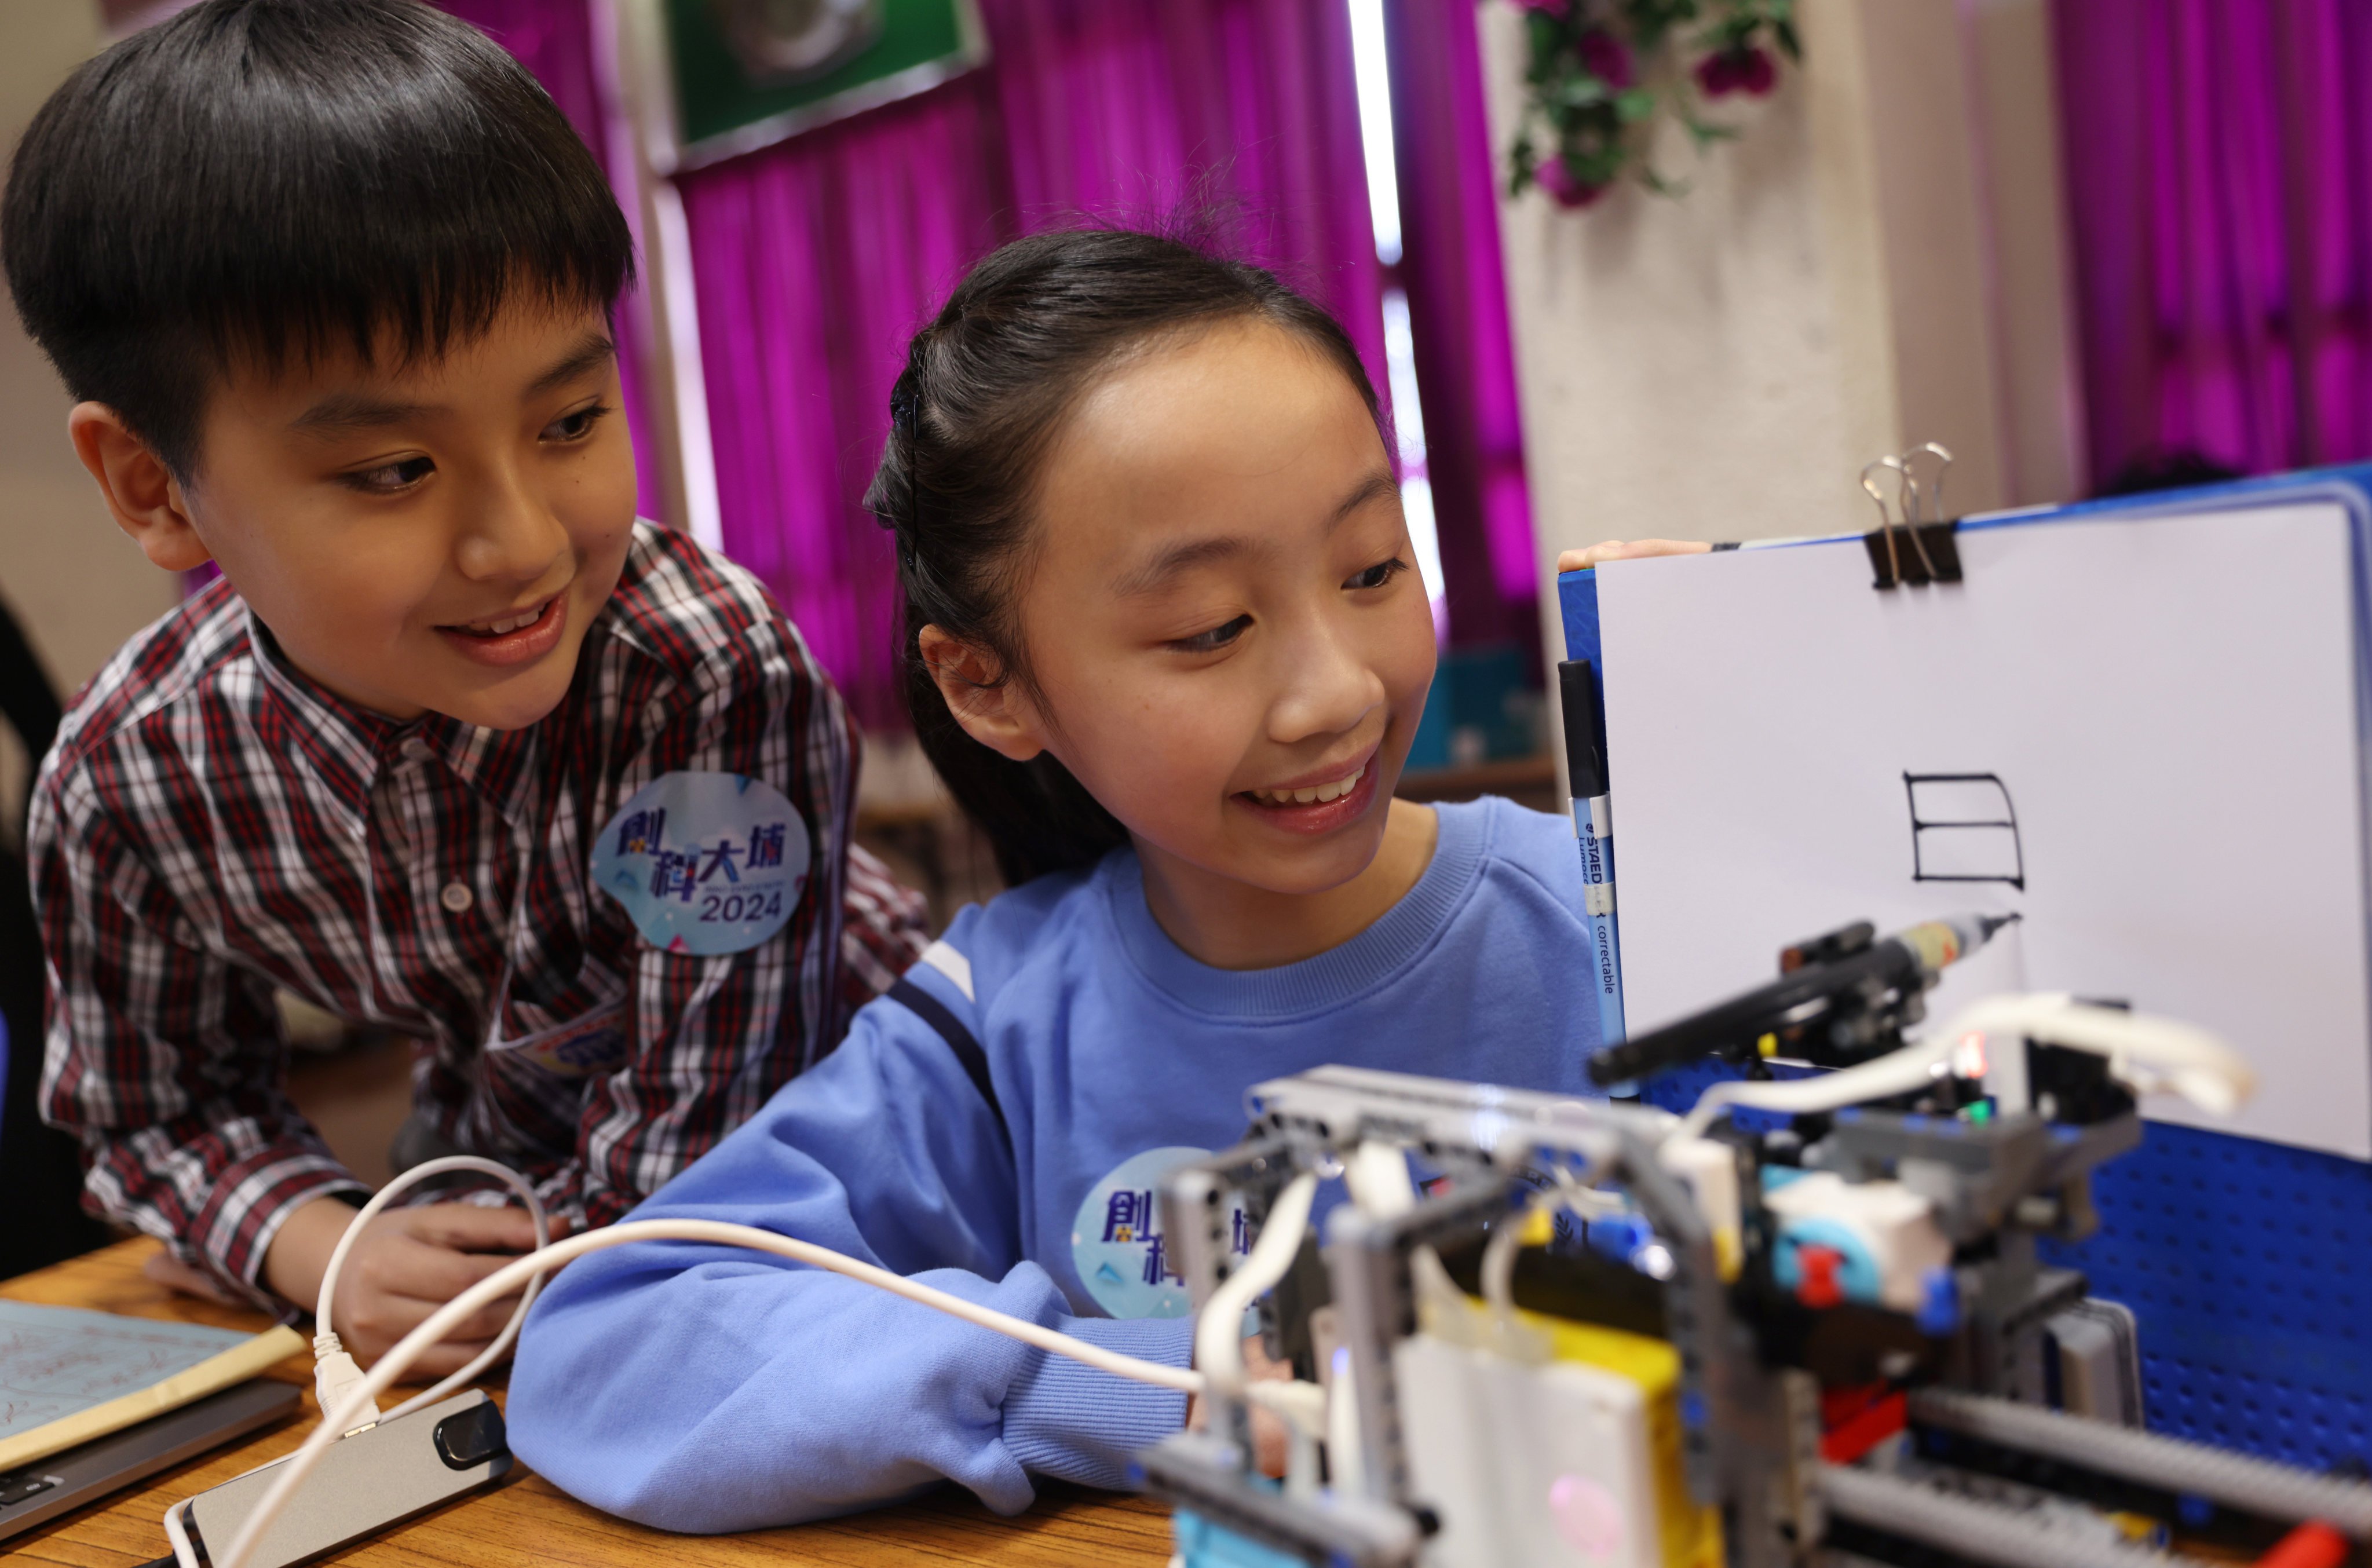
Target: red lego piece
x=1875, y=1420
x=1840, y=1402
x=2312, y=1545
x=1816, y=1283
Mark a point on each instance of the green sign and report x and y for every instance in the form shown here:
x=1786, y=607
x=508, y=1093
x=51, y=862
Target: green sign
x=752, y=71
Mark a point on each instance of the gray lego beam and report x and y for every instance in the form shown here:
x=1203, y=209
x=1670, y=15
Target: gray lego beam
x=2257, y=1486
x=1978, y=1532
x=1206, y=1475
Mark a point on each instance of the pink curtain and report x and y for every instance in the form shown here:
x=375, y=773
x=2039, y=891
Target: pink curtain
x=1458, y=315
x=815, y=260
x=2219, y=165
x=553, y=38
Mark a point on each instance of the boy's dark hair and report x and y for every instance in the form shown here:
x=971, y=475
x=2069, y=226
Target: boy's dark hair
x=279, y=177
x=984, y=392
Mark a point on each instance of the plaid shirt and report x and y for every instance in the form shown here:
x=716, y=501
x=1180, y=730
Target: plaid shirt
x=211, y=825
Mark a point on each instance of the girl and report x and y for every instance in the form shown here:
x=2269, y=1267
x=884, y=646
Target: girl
x=1165, y=645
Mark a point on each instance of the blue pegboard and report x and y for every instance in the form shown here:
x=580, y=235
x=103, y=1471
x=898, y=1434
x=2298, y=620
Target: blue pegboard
x=2249, y=1265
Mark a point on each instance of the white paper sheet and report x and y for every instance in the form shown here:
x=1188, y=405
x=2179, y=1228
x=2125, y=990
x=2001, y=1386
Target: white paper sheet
x=2168, y=705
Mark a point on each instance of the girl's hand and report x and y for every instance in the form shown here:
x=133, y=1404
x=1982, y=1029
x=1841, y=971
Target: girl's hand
x=1628, y=550
x=1269, y=1439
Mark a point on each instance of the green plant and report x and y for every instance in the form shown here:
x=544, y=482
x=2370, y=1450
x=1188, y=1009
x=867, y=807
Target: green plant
x=1598, y=74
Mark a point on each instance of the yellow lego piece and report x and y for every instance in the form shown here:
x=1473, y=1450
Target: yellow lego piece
x=1690, y=1532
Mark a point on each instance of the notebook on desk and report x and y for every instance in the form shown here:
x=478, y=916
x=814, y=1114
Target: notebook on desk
x=69, y=1376
x=37, y=1492
x=91, y=1402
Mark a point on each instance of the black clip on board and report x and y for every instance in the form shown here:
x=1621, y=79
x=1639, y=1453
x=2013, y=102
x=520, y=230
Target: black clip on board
x=1913, y=551
x=1917, y=554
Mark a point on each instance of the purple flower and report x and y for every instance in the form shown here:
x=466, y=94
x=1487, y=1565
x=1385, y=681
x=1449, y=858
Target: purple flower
x=1547, y=8
x=1756, y=73
x=1744, y=69
x=1607, y=58
x=1556, y=177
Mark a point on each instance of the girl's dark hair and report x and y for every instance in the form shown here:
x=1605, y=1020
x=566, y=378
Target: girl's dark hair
x=985, y=389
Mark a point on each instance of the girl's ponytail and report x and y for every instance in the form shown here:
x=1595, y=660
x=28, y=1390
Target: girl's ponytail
x=984, y=390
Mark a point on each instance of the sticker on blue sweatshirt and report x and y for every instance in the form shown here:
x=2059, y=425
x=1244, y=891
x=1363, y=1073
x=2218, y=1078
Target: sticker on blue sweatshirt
x=1117, y=1245
x=705, y=862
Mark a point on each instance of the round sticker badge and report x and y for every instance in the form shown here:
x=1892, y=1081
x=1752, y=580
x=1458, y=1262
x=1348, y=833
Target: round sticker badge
x=1116, y=1241
x=705, y=862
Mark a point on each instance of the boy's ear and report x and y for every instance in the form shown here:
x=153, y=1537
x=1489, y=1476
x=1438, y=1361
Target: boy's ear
x=992, y=709
x=147, y=501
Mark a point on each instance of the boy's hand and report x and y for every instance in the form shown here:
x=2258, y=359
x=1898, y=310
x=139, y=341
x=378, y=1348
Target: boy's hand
x=1269, y=1438
x=174, y=1274
x=1628, y=550
x=406, y=1264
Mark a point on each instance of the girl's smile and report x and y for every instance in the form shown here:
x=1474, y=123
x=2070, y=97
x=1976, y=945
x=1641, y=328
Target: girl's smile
x=1336, y=800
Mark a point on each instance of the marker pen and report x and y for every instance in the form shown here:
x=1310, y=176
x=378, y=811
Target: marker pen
x=1593, y=822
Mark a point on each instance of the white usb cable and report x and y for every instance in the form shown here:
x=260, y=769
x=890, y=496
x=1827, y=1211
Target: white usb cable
x=354, y=1409
x=334, y=1371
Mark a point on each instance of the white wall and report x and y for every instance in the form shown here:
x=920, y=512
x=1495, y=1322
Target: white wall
x=77, y=586
x=1834, y=287
x=2025, y=200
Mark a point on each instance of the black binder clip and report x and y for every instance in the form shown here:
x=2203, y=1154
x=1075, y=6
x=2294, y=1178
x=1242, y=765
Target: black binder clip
x=1915, y=549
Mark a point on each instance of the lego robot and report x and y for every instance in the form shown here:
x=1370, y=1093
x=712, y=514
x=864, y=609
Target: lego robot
x=1806, y=1323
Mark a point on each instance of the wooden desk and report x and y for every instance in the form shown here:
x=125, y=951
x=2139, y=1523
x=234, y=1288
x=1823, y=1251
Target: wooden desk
x=526, y=1520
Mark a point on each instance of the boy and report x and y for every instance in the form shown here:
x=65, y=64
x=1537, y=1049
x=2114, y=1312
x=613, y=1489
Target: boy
x=458, y=748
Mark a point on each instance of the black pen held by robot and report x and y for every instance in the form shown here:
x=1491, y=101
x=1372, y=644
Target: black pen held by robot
x=1840, y=998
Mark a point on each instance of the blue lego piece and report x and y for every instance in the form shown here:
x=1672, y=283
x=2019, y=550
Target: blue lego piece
x=1620, y=1235
x=1202, y=1544
x=1939, y=1302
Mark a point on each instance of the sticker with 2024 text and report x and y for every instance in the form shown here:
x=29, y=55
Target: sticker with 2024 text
x=705, y=862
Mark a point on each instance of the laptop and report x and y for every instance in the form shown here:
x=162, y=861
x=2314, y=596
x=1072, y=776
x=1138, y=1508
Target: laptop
x=42, y=1490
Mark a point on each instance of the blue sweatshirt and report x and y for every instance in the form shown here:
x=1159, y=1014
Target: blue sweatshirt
x=707, y=1388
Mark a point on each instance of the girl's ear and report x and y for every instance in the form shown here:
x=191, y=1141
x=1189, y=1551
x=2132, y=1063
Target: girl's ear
x=992, y=709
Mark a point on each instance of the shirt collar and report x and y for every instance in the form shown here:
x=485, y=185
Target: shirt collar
x=338, y=742
x=498, y=765
x=345, y=745
x=1381, y=953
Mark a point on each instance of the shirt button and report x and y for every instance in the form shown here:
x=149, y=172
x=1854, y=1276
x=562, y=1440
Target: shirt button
x=416, y=749
x=457, y=897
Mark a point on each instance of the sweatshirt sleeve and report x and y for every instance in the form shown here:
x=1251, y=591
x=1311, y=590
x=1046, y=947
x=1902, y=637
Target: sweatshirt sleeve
x=705, y=1389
